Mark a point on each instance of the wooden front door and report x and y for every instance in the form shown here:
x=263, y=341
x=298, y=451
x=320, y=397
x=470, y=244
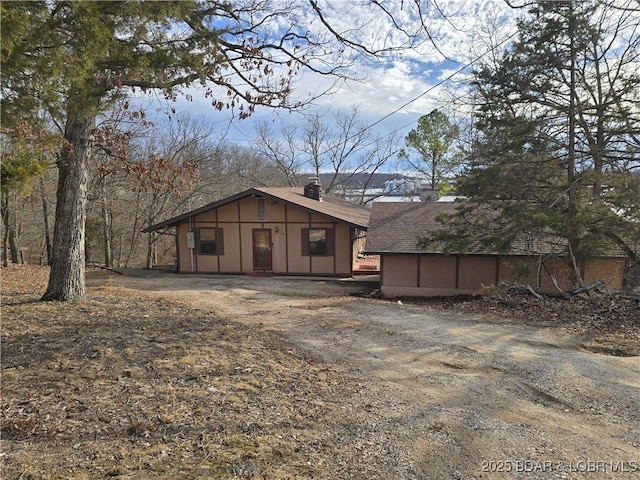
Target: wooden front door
x=261, y=249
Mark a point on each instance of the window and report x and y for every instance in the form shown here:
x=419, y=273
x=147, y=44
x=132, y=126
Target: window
x=317, y=241
x=210, y=241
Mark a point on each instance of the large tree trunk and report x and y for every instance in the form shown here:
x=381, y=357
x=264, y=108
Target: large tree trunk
x=66, y=280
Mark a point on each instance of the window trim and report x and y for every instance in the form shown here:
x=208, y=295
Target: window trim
x=329, y=250
x=218, y=240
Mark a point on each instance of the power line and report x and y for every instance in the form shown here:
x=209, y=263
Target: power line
x=427, y=91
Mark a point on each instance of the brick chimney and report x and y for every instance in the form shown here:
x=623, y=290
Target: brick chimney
x=313, y=189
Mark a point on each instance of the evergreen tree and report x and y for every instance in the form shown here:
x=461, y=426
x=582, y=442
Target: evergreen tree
x=558, y=154
x=25, y=156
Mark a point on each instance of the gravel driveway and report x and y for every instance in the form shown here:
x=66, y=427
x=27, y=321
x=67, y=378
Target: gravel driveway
x=444, y=395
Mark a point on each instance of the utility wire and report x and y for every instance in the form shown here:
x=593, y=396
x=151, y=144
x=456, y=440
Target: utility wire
x=427, y=91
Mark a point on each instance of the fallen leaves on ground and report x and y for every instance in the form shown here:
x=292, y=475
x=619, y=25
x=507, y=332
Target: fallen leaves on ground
x=128, y=387
x=607, y=322
x=124, y=386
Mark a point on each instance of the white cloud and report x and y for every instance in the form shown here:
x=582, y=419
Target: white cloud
x=409, y=75
x=400, y=81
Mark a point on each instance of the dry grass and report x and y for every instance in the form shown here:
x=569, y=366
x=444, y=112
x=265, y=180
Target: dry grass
x=126, y=387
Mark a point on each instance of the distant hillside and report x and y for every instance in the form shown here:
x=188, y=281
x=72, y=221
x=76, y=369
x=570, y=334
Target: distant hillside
x=356, y=181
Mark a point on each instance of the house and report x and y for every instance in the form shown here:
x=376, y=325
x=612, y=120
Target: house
x=284, y=230
x=407, y=270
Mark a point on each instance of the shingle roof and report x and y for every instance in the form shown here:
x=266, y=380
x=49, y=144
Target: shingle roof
x=336, y=208
x=331, y=207
x=395, y=226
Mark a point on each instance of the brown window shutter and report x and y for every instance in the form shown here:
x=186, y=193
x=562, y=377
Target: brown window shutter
x=305, y=242
x=219, y=241
x=331, y=242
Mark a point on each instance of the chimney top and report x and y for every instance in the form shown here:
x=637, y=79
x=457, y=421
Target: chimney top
x=313, y=189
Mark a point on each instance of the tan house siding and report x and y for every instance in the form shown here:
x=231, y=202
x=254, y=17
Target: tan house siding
x=460, y=274
x=529, y=271
x=243, y=253
x=296, y=263
x=297, y=215
x=408, y=269
x=400, y=270
x=279, y=240
x=184, y=253
x=431, y=275
x=437, y=271
x=227, y=213
x=610, y=269
x=343, y=249
x=283, y=216
x=230, y=261
x=474, y=272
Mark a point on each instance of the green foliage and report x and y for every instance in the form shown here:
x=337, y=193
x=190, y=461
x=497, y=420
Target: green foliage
x=432, y=140
x=26, y=74
x=71, y=61
x=26, y=155
x=556, y=163
x=78, y=57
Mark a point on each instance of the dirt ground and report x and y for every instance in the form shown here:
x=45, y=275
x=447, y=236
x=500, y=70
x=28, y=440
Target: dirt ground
x=180, y=376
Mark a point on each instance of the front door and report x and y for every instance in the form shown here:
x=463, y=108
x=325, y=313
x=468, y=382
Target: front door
x=261, y=249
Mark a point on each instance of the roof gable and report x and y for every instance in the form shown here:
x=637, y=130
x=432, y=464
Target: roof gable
x=330, y=207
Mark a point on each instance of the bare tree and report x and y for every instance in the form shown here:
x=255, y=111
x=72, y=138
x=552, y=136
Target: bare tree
x=46, y=230
x=340, y=149
x=281, y=148
x=74, y=59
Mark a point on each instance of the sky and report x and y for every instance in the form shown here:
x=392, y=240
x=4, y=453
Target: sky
x=392, y=92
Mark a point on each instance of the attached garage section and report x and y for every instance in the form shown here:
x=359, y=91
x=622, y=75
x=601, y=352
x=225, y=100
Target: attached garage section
x=475, y=271
x=411, y=266
x=431, y=275
x=437, y=272
x=436, y=275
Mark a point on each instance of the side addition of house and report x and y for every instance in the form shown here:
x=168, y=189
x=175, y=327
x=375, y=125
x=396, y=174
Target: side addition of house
x=406, y=269
x=283, y=230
